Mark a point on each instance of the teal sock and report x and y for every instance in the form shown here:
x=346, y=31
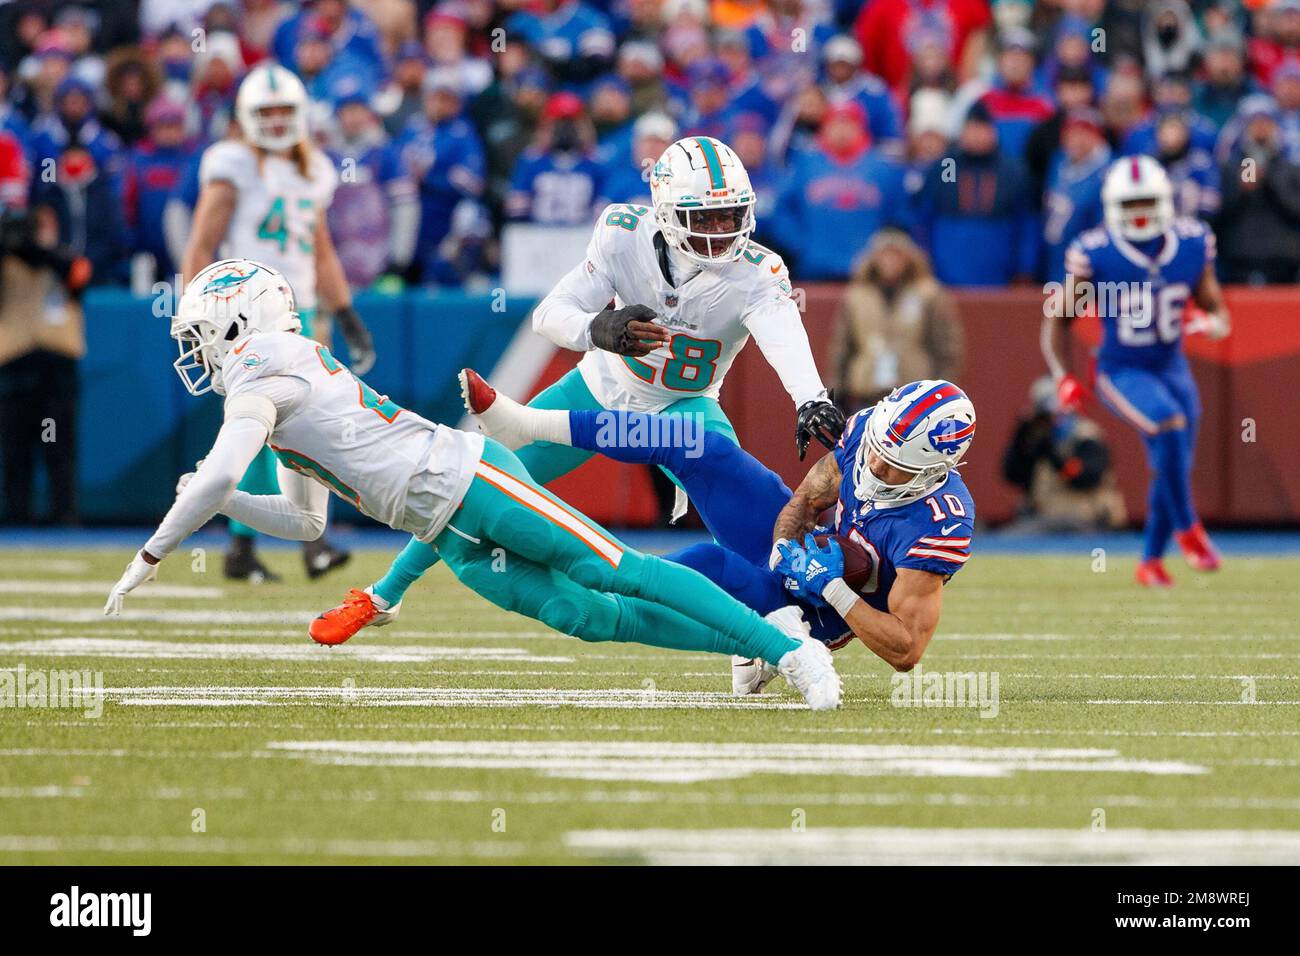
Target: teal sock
x=734, y=628
x=644, y=622
x=407, y=568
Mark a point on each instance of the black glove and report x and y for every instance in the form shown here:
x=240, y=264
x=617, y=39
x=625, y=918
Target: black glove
x=609, y=331
x=818, y=419
x=361, y=347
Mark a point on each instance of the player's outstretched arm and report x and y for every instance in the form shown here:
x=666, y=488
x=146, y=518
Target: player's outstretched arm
x=197, y=500
x=900, y=636
x=298, y=513
x=778, y=329
x=819, y=490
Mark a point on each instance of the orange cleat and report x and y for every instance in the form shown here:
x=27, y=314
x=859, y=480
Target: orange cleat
x=1198, y=549
x=358, y=610
x=1151, y=573
x=478, y=394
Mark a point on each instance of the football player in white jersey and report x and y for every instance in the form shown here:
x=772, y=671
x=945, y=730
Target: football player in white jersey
x=689, y=287
x=264, y=195
x=464, y=494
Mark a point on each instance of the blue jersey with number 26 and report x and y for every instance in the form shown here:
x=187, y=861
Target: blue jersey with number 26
x=1140, y=294
x=932, y=534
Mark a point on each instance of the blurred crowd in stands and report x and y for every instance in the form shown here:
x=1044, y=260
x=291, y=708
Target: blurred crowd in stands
x=980, y=129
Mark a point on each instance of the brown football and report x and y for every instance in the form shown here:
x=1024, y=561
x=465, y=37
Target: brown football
x=859, y=565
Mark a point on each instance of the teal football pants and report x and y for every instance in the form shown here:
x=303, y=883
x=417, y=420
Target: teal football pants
x=525, y=550
x=545, y=462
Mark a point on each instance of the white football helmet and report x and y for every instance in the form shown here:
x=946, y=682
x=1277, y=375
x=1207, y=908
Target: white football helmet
x=693, y=180
x=223, y=303
x=922, y=428
x=267, y=87
x=1137, y=198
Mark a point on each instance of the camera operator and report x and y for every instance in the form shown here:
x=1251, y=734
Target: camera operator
x=1061, y=462
x=41, y=340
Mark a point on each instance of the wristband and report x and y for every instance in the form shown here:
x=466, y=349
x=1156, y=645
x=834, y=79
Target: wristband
x=840, y=596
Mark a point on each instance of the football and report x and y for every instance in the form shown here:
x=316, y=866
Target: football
x=859, y=564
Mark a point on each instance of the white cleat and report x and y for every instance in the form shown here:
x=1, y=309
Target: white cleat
x=749, y=675
x=497, y=416
x=808, y=668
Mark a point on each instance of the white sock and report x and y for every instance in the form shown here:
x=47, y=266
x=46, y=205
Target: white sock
x=545, y=424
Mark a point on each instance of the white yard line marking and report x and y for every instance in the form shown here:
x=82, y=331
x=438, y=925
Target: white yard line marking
x=95, y=615
x=695, y=762
x=1023, y=732
x=100, y=589
x=44, y=567
x=304, y=650
x=440, y=697
x=1218, y=703
x=941, y=846
x=221, y=846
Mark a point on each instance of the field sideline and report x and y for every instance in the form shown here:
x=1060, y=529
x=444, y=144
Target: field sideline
x=462, y=734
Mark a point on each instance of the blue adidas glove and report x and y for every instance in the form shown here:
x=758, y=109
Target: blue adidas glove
x=790, y=560
x=823, y=565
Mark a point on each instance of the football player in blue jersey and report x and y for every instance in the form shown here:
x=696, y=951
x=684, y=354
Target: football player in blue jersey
x=891, y=481
x=1139, y=272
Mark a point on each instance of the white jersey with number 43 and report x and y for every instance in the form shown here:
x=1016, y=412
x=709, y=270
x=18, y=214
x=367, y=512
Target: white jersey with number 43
x=277, y=210
x=395, y=466
x=710, y=313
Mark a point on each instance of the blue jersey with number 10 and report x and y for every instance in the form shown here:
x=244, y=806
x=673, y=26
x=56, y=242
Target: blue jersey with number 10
x=931, y=534
x=1141, y=293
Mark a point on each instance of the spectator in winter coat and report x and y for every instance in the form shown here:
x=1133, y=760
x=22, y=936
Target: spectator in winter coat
x=1074, y=90
x=507, y=113
x=629, y=180
x=1192, y=170
x=1072, y=200
x=889, y=29
x=86, y=201
x=1225, y=79
x=845, y=80
x=1258, y=228
x=132, y=82
x=573, y=39
x=557, y=181
x=154, y=172
x=443, y=155
x=837, y=196
x=1278, y=42
x=402, y=100
x=896, y=324
x=974, y=215
x=1013, y=103
x=374, y=214
x=1171, y=40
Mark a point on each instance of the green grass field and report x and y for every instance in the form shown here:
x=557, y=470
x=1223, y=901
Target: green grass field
x=1124, y=729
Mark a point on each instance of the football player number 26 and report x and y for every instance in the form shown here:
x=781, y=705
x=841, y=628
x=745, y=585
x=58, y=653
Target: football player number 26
x=1149, y=319
x=690, y=369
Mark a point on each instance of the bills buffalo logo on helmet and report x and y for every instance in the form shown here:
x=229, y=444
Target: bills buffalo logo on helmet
x=950, y=435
